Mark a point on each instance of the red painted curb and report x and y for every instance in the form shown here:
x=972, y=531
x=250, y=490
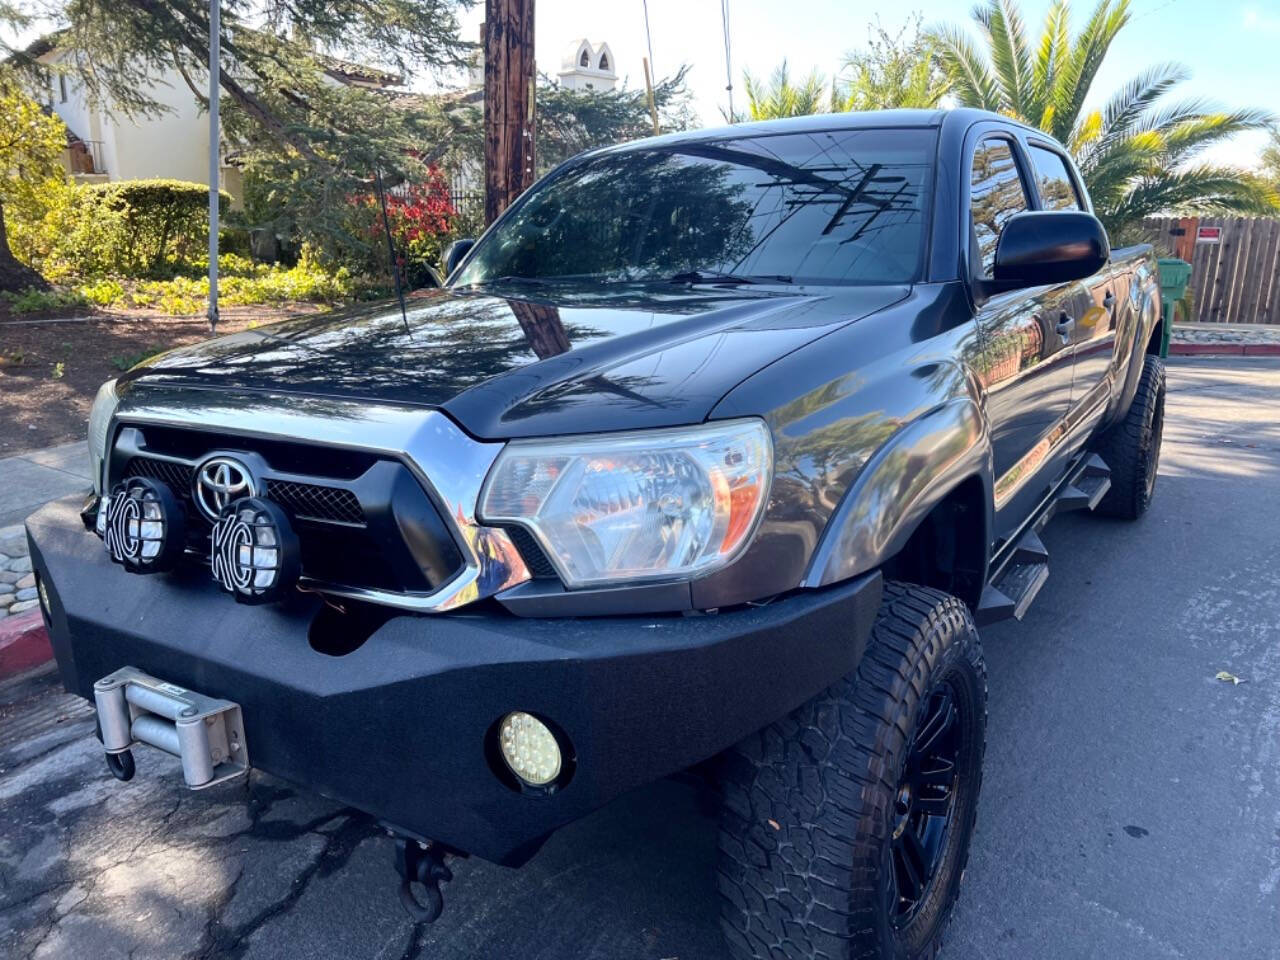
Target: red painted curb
x=24, y=643
x=1262, y=350
x=1209, y=349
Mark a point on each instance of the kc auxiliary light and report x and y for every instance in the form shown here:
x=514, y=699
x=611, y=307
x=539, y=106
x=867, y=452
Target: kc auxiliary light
x=255, y=551
x=142, y=525
x=529, y=748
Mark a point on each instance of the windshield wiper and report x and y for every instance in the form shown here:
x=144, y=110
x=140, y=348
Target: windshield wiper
x=714, y=276
x=510, y=278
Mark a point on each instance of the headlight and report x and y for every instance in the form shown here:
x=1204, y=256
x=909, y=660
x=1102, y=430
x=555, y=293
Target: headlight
x=104, y=405
x=650, y=505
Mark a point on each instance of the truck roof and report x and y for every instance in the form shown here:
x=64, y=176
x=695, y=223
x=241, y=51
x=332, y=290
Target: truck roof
x=853, y=120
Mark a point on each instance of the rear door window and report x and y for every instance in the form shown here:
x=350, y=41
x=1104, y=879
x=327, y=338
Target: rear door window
x=996, y=194
x=1053, y=180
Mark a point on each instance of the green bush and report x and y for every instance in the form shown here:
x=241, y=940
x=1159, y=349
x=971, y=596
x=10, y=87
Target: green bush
x=37, y=301
x=243, y=284
x=102, y=293
x=130, y=228
x=167, y=221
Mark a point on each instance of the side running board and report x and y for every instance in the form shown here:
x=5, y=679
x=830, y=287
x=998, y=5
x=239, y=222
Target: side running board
x=1020, y=569
x=1088, y=489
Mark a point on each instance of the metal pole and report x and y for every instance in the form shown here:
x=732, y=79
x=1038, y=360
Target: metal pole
x=215, y=31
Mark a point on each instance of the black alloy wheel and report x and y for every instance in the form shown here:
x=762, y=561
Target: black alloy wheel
x=925, y=804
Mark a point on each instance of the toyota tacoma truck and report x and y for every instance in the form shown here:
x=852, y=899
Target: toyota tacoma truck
x=713, y=452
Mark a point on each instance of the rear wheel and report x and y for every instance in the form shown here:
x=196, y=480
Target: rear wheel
x=845, y=826
x=1131, y=448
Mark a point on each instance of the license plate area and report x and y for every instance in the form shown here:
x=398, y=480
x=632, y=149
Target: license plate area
x=205, y=733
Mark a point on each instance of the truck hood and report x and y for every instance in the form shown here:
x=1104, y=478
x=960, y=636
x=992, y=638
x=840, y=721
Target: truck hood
x=527, y=363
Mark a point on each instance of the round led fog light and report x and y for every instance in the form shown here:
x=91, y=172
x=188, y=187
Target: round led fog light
x=143, y=525
x=529, y=748
x=43, y=592
x=255, y=551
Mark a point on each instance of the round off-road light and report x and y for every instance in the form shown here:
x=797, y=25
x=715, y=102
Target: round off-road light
x=143, y=525
x=255, y=551
x=529, y=748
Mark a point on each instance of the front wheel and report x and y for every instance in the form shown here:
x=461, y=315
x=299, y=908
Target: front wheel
x=845, y=826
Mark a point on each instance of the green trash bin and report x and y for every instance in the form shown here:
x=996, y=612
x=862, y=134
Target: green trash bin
x=1174, y=274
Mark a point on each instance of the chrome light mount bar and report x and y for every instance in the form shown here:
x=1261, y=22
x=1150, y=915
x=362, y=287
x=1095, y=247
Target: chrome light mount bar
x=449, y=465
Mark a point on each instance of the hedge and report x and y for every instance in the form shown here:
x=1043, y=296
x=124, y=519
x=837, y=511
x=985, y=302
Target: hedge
x=163, y=220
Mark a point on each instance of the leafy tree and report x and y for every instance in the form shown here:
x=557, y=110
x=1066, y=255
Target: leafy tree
x=780, y=97
x=896, y=70
x=1271, y=158
x=1140, y=155
x=571, y=121
x=308, y=143
x=31, y=144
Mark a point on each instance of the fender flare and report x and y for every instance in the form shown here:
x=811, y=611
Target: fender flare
x=899, y=485
x=1147, y=319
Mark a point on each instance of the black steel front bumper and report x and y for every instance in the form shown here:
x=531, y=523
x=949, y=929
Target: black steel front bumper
x=398, y=726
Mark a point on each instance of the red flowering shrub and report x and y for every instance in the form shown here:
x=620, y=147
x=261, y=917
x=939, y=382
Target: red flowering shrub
x=422, y=219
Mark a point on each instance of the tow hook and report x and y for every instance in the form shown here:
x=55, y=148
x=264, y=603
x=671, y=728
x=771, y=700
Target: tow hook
x=421, y=862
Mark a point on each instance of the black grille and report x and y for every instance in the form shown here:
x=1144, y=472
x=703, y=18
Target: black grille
x=176, y=475
x=311, y=502
x=307, y=501
x=534, y=558
x=363, y=520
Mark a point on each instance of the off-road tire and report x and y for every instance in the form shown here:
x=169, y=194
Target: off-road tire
x=808, y=803
x=1131, y=448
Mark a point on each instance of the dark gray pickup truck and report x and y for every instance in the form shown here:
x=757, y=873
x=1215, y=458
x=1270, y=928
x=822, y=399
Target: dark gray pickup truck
x=711, y=454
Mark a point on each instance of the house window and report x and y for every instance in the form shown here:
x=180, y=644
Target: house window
x=604, y=61
x=62, y=87
x=584, y=60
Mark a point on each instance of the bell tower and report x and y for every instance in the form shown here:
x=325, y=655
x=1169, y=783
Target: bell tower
x=588, y=66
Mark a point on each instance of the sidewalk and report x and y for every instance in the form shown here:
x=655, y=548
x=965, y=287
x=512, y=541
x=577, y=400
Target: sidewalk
x=27, y=482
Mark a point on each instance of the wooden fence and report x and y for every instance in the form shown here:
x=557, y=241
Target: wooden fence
x=1235, y=265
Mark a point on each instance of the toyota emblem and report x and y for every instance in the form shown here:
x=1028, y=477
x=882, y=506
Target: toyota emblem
x=219, y=481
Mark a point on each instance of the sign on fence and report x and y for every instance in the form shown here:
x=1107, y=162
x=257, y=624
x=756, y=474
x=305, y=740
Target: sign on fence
x=1235, y=265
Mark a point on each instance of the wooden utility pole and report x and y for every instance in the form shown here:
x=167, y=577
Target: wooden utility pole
x=509, y=79
x=653, y=107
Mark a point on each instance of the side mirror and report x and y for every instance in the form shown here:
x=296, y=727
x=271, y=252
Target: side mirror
x=454, y=253
x=1045, y=246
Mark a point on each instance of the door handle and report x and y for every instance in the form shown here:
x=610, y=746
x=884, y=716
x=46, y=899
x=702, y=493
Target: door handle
x=1065, y=325
x=1109, y=300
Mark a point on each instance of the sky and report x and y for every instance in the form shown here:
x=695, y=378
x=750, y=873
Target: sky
x=1231, y=47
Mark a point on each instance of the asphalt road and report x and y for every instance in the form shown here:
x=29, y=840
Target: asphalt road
x=1131, y=806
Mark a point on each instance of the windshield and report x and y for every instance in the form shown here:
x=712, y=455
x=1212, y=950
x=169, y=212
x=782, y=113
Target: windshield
x=843, y=206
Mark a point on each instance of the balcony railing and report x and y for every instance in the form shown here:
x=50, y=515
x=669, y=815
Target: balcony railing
x=86, y=157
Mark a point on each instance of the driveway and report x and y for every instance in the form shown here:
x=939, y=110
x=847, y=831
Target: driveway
x=1131, y=806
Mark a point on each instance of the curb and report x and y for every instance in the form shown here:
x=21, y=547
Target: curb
x=1225, y=349
x=24, y=643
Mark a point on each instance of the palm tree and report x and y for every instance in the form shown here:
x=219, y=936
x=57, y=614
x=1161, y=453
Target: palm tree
x=1139, y=155
x=779, y=97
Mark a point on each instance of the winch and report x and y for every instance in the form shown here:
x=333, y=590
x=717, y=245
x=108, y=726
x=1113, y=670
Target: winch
x=206, y=733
